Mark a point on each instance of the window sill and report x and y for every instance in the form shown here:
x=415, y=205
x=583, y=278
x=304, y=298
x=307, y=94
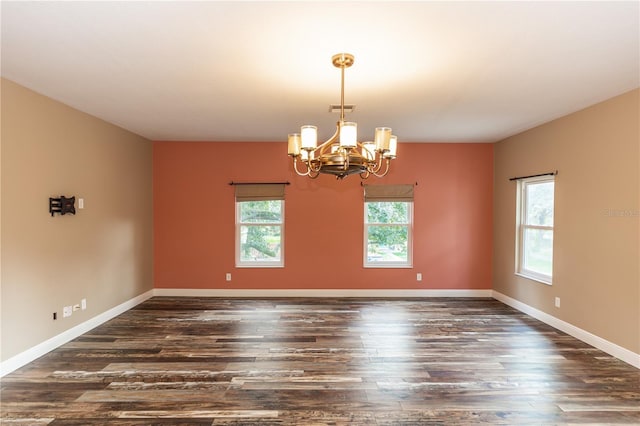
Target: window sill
x=260, y=266
x=387, y=266
x=534, y=278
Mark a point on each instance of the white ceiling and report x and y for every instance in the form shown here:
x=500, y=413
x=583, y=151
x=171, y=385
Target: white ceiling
x=256, y=71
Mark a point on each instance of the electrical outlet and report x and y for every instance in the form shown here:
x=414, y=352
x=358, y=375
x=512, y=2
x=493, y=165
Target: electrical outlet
x=557, y=302
x=67, y=311
x=228, y=277
x=83, y=304
x=419, y=276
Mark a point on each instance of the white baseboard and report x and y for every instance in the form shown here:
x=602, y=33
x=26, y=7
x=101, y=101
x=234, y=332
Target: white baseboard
x=37, y=351
x=400, y=293
x=612, y=349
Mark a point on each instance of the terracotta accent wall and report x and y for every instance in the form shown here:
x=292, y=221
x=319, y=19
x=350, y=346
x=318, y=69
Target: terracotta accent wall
x=104, y=252
x=194, y=219
x=596, y=262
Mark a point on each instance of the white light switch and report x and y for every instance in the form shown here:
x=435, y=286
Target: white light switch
x=81, y=203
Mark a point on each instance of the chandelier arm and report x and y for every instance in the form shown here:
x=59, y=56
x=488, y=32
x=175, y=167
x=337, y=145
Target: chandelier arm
x=329, y=141
x=378, y=163
x=369, y=163
x=313, y=168
x=386, y=170
x=295, y=167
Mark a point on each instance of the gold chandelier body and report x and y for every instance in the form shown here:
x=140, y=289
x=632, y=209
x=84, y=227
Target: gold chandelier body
x=342, y=155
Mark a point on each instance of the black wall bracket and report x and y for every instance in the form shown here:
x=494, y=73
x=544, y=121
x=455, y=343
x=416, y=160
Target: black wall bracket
x=62, y=205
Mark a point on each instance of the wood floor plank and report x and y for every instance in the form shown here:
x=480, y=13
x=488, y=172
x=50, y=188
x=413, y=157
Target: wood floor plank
x=333, y=361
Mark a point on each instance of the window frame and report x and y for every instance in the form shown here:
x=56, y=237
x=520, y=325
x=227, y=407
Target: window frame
x=408, y=225
x=238, y=235
x=522, y=226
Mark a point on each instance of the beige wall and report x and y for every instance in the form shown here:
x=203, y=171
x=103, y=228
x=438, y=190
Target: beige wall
x=596, y=256
x=104, y=252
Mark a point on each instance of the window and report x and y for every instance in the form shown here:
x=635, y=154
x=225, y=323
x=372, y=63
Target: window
x=388, y=223
x=535, y=228
x=259, y=227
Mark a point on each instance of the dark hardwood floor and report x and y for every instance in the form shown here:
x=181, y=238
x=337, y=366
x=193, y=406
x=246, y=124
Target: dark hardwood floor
x=322, y=361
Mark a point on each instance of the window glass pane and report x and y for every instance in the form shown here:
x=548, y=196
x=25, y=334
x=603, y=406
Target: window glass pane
x=260, y=243
x=387, y=212
x=540, y=203
x=269, y=211
x=538, y=250
x=387, y=243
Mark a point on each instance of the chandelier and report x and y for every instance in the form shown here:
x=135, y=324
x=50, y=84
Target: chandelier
x=342, y=155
